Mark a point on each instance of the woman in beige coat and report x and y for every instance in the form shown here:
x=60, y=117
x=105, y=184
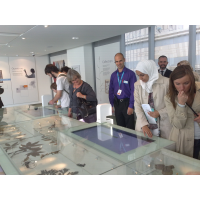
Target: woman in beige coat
x=184, y=94
x=151, y=89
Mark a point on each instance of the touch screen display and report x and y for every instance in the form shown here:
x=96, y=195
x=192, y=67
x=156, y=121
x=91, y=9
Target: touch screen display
x=113, y=139
x=40, y=112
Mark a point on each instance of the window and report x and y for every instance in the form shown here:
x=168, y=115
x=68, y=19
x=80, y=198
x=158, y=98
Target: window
x=197, y=65
x=136, y=47
x=172, y=41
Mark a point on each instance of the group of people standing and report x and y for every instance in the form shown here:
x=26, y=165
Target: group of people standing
x=174, y=98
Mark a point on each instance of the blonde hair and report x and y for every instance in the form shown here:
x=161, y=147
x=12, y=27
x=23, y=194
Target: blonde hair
x=185, y=62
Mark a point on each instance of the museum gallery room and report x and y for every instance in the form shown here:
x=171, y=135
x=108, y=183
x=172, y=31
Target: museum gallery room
x=99, y=100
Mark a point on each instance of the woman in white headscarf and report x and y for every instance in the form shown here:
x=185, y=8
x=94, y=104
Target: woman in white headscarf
x=151, y=89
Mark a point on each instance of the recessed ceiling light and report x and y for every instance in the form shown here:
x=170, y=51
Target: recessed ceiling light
x=16, y=55
x=74, y=38
x=31, y=52
x=8, y=45
x=23, y=38
x=45, y=26
x=45, y=50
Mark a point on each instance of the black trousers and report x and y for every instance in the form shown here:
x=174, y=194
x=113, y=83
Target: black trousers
x=196, y=148
x=122, y=118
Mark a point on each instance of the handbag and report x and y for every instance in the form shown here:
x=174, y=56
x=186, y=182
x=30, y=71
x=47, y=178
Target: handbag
x=86, y=108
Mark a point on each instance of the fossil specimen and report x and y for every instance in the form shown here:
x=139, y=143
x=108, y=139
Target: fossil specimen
x=81, y=165
x=52, y=153
x=73, y=173
x=8, y=146
x=54, y=172
x=166, y=170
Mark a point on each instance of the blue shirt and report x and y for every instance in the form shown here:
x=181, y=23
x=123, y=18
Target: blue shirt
x=127, y=86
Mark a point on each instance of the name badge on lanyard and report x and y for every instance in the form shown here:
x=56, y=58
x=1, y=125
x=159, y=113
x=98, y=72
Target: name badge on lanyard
x=119, y=81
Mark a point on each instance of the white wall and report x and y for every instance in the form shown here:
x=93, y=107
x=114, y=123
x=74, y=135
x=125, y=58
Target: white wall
x=43, y=81
x=76, y=57
x=89, y=69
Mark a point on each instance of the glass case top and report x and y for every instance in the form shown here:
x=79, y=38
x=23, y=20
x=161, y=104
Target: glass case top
x=58, y=144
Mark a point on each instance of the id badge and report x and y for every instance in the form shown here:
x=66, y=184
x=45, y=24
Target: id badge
x=119, y=92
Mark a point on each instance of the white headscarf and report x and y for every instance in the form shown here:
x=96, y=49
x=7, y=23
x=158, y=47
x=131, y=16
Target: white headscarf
x=148, y=67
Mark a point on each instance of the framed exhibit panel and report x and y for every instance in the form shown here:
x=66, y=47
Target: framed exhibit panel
x=24, y=79
x=104, y=67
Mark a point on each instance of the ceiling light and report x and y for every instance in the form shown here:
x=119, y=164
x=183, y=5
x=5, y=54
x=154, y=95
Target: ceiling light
x=16, y=55
x=23, y=38
x=74, y=38
x=31, y=52
x=8, y=45
x=45, y=50
x=45, y=26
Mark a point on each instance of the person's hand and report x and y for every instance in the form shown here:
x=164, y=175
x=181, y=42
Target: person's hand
x=78, y=94
x=182, y=98
x=130, y=111
x=113, y=110
x=57, y=106
x=147, y=131
x=154, y=114
x=197, y=119
x=70, y=114
x=51, y=102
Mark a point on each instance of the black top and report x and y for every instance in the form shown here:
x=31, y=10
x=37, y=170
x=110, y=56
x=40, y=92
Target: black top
x=85, y=89
x=167, y=73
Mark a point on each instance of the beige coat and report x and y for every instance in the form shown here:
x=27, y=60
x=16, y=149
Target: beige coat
x=182, y=120
x=160, y=89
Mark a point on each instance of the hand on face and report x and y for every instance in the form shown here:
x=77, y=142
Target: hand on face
x=182, y=98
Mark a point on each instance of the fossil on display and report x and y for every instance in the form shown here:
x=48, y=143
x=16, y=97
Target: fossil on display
x=9, y=146
x=166, y=170
x=33, y=149
x=49, y=138
x=81, y=165
x=57, y=172
x=29, y=163
x=52, y=153
x=54, y=172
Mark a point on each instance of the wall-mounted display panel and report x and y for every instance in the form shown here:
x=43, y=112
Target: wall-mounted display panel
x=104, y=67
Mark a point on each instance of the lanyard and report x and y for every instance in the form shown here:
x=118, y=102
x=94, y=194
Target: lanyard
x=120, y=81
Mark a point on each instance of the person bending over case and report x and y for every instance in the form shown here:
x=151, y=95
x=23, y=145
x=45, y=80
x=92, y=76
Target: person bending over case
x=151, y=89
x=183, y=106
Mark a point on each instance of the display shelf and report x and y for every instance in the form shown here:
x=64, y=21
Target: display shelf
x=161, y=162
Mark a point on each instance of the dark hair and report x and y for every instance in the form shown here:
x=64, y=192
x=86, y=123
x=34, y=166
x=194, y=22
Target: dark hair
x=64, y=69
x=32, y=70
x=180, y=72
x=162, y=57
x=119, y=54
x=50, y=68
x=53, y=86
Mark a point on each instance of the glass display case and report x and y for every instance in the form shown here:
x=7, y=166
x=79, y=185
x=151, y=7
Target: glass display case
x=27, y=112
x=61, y=145
x=161, y=162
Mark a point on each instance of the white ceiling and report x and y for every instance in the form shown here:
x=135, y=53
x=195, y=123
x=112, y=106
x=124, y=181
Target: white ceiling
x=42, y=41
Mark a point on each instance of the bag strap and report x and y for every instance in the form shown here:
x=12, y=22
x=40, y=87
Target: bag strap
x=65, y=80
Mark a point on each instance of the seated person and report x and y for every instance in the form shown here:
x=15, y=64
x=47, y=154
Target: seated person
x=183, y=106
x=151, y=89
x=54, y=88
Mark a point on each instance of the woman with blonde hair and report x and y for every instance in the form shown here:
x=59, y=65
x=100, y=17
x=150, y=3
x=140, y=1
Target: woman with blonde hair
x=183, y=107
x=185, y=62
x=151, y=89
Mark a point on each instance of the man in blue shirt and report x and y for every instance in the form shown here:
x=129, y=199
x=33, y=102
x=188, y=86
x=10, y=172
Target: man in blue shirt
x=121, y=93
